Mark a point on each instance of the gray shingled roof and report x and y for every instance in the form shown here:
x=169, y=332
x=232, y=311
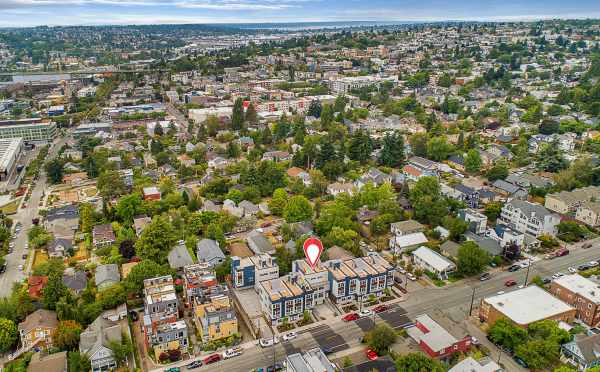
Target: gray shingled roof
x=179, y=257
x=208, y=251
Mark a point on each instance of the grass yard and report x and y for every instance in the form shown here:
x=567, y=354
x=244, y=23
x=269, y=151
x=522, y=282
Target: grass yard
x=40, y=257
x=11, y=208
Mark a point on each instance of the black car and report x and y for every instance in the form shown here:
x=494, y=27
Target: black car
x=275, y=367
x=3, y=268
x=546, y=280
x=521, y=362
x=195, y=364
x=514, y=268
x=134, y=316
x=327, y=350
x=583, y=267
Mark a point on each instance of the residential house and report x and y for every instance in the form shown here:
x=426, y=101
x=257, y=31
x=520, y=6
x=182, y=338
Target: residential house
x=139, y=223
x=179, y=256
x=59, y=247
x=583, y=352
x=285, y=298
x=249, y=208
x=457, y=161
x=491, y=246
x=215, y=319
x=95, y=343
x=589, y=213
x=76, y=281
x=581, y=293
x=259, y=243
x=509, y=190
x=449, y=248
x=151, y=193
x=477, y=221
x=485, y=364
x=529, y=218
x=374, y=176
x=103, y=235
x=36, y=285
x=406, y=227
x=355, y=279
x=208, y=251
x=406, y=242
x=62, y=222
x=169, y=336
x=56, y=362
x=568, y=201
x=463, y=193
x=299, y=173
x=107, y=276
x=276, y=156
x=436, y=341
x=38, y=328
x=250, y=271
x=429, y=260
x=127, y=176
x=338, y=188
x=540, y=305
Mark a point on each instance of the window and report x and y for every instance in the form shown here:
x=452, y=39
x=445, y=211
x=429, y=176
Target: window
x=341, y=289
x=276, y=310
x=352, y=286
x=363, y=286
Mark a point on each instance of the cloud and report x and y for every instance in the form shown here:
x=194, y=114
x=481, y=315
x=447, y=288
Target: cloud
x=189, y=4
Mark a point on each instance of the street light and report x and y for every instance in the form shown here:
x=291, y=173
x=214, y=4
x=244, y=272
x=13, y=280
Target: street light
x=527, y=275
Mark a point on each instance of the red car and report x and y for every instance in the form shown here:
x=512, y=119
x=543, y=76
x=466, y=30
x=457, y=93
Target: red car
x=350, y=317
x=380, y=309
x=212, y=358
x=510, y=282
x=371, y=355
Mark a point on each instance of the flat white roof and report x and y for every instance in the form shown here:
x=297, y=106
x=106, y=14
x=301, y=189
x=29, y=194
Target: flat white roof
x=583, y=286
x=433, y=259
x=411, y=239
x=528, y=305
x=9, y=148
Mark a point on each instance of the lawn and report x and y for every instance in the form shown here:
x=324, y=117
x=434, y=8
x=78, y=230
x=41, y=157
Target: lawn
x=82, y=253
x=40, y=257
x=11, y=208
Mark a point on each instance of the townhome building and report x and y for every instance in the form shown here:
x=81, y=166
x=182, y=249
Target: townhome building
x=285, y=299
x=251, y=271
x=355, y=279
x=581, y=293
x=215, y=319
x=463, y=193
x=317, y=277
x=477, y=221
x=200, y=283
x=529, y=218
x=565, y=202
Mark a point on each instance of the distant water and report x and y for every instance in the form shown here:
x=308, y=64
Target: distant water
x=297, y=26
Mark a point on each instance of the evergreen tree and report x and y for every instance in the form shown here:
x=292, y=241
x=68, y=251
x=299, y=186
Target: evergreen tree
x=315, y=109
x=237, y=117
x=251, y=116
x=392, y=153
x=360, y=147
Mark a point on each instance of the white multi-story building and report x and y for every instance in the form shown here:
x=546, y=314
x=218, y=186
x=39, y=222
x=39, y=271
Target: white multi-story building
x=250, y=271
x=317, y=277
x=529, y=218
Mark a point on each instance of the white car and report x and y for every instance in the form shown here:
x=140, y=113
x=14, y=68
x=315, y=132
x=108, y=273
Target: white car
x=20, y=267
x=411, y=277
x=557, y=275
x=593, y=263
x=289, y=336
x=521, y=286
x=365, y=313
x=500, y=292
x=268, y=342
x=401, y=270
x=572, y=270
x=524, y=264
x=230, y=353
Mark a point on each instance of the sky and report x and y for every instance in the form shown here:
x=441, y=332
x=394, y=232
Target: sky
x=23, y=13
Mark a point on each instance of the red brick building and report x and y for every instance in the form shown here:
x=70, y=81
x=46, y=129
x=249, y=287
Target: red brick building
x=435, y=341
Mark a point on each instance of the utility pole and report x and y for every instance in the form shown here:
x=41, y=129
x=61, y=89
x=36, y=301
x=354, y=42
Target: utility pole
x=472, y=300
x=527, y=275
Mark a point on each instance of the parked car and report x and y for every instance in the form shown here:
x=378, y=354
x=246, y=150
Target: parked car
x=267, y=342
x=289, y=336
x=572, y=270
x=20, y=267
x=212, y=359
x=593, y=263
x=586, y=245
x=172, y=369
x=557, y=275
x=195, y=364
x=411, y=277
x=326, y=350
x=350, y=317
x=583, y=267
x=24, y=256
x=371, y=354
x=546, y=280
x=510, y=282
x=514, y=268
x=133, y=314
x=524, y=264
x=275, y=367
x=365, y=313
x=230, y=353
x=3, y=268
x=380, y=308
x=485, y=276
x=562, y=252
x=521, y=362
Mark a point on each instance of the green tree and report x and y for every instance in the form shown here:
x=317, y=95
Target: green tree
x=54, y=169
x=471, y=259
x=86, y=217
x=360, y=146
x=344, y=238
x=418, y=144
x=128, y=207
x=473, y=161
x=498, y=171
x=78, y=362
x=550, y=158
x=492, y=210
x=8, y=334
x=251, y=116
x=380, y=338
x=54, y=289
x=157, y=240
x=278, y=201
x=504, y=332
x=418, y=362
x=297, y=209
x=66, y=335
x=392, y=152
x=438, y=148
x=121, y=350
x=237, y=116
x=110, y=184
x=134, y=283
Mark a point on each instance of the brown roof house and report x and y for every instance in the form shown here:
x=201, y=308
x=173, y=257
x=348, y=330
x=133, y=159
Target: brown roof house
x=103, y=235
x=37, y=329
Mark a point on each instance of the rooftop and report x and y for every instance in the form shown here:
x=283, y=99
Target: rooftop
x=580, y=285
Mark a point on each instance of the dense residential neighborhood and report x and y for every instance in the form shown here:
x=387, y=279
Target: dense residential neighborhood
x=158, y=185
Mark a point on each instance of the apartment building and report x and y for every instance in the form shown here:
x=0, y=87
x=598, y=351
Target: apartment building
x=589, y=213
x=10, y=152
x=215, y=319
x=565, y=202
x=200, y=282
x=358, y=278
x=169, y=336
x=250, y=271
x=529, y=218
x=285, y=298
x=161, y=307
x=540, y=305
x=581, y=293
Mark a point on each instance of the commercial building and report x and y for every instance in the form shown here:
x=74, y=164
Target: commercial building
x=436, y=341
x=529, y=218
x=10, y=152
x=90, y=129
x=31, y=130
x=311, y=361
x=581, y=293
x=358, y=278
x=525, y=306
x=250, y=271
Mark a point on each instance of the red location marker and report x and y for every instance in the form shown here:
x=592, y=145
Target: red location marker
x=312, y=250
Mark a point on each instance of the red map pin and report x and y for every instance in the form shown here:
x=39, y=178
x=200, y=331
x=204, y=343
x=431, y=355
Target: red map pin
x=312, y=250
